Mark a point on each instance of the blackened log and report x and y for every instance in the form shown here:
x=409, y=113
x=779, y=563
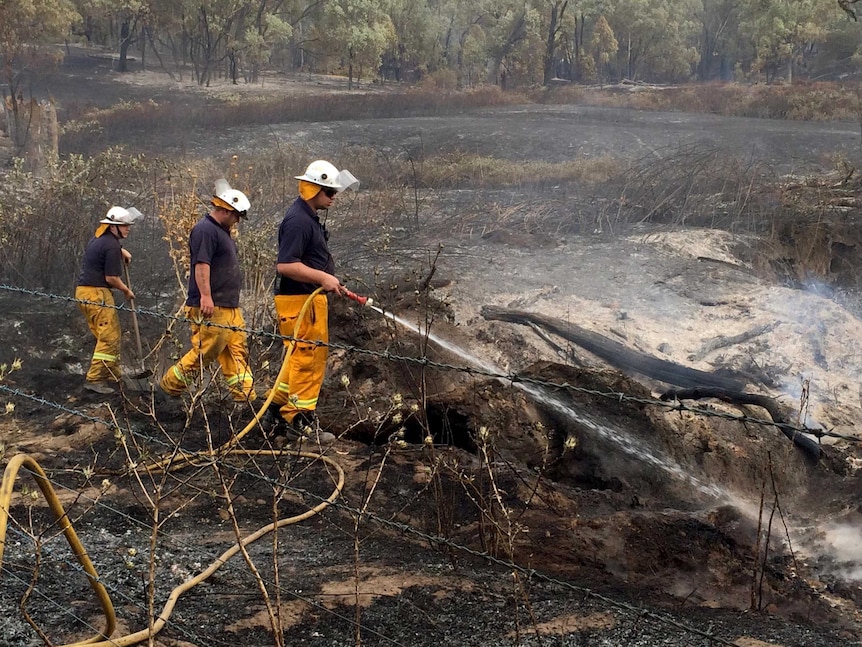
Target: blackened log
x=617, y=354
x=807, y=444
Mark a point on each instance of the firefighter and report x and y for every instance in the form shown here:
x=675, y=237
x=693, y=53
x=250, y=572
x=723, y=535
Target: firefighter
x=304, y=264
x=215, y=280
x=101, y=271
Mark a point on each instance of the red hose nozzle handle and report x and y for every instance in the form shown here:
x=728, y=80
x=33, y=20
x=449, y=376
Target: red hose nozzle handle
x=355, y=297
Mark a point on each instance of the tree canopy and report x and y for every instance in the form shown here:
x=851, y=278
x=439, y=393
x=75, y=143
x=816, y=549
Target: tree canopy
x=450, y=43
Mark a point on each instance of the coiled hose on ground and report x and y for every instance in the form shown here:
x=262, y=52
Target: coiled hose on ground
x=174, y=462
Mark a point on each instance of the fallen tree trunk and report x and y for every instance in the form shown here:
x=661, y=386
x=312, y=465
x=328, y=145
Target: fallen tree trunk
x=779, y=416
x=617, y=354
x=696, y=384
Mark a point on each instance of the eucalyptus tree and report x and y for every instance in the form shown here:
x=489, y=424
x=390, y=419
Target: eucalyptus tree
x=186, y=29
x=164, y=32
x=783, y=33
x=849, y=7
x=242, y=34
x=132, y=15
x=515, y=44
x=555, y=10
x=28, y=29
x=501, y=41
x=115, y=24
x=839, y=54
x=415, y=46
x=269, y=28
x=253, y=29
x=464, y=37
x=95, y=24
x=657, y=38
x=354, y=34
x=603, y=47
x=719, y=37
x=579, y=39
x=212, y=30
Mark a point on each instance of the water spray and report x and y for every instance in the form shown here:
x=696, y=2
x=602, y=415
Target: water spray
x=625, y=441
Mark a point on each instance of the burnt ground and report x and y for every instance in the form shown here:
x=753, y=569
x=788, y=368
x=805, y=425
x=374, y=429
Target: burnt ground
x=542, y=542
x=567, y=516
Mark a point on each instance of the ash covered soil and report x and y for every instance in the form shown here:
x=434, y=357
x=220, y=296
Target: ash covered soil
x=540, y=514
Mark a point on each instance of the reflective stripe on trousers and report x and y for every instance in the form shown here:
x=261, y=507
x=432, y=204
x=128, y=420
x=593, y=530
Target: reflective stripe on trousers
x=307, y=366
x=214, y=343
x=104, y=323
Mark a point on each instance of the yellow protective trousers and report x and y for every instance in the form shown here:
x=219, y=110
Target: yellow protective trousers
x=210, y=343
x=104, y=323
x=307, y=365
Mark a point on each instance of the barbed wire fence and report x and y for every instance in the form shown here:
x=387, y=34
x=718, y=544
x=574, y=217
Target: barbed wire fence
x=634, y=625
x=427, y=362
x=633, y=612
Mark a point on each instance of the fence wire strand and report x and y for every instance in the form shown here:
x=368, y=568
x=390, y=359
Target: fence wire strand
x=512, y=378
x=637, y=612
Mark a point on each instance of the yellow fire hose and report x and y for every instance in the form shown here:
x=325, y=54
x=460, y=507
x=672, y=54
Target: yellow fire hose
x=103, y=639
x=182, y=459
x=9, y=475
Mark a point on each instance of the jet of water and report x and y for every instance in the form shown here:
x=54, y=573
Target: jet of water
x=630, y=445
x=840, y=538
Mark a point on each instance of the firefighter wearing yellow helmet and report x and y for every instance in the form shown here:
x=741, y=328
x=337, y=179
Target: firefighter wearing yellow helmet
x=215, y=280
x=304, y=264
x=101, y=271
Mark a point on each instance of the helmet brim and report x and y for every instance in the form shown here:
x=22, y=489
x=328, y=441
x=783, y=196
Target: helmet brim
x=221, y=204
x=342, y=182
x=129, y=216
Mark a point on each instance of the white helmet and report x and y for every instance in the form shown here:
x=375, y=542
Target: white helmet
x=322, y=173
x=230, y=199
x=121, y=216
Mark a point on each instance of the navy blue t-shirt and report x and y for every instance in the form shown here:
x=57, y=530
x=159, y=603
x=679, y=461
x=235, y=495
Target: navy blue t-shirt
x=302, y=238
x=103, y=257
x=210, y=243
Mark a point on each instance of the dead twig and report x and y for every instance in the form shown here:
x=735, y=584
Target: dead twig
x=723, y=342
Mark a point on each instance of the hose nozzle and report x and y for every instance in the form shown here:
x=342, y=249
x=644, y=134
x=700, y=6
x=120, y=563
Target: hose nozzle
x=363, y=301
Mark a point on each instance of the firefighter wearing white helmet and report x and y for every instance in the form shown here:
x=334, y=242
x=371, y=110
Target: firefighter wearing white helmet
x=304, y=264
x=230, y=199
x=214, y=286
x=101, y=271
x=321, y=173
x=121, y=216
